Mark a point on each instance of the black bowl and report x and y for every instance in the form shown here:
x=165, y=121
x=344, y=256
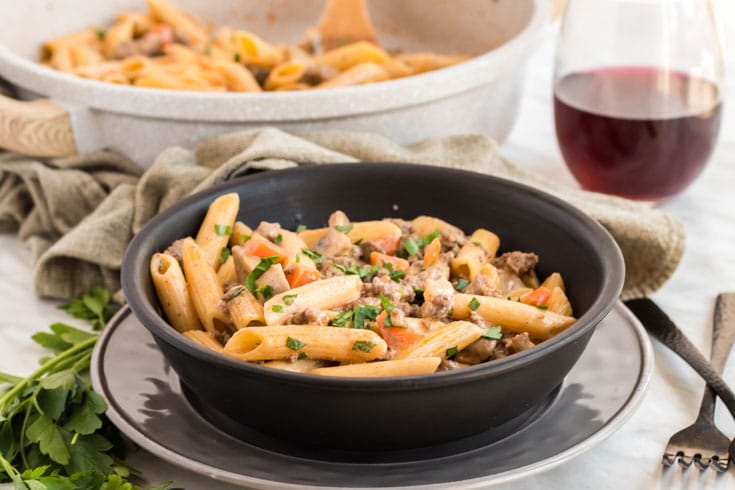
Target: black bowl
x=401, y=412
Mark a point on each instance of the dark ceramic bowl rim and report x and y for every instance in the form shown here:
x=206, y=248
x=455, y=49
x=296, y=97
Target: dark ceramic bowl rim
x=611, y=258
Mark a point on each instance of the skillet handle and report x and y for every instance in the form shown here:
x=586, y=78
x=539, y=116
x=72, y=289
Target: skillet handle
x=40, y=128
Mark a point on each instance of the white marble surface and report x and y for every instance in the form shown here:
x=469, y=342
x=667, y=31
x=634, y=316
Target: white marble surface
x=630, y=459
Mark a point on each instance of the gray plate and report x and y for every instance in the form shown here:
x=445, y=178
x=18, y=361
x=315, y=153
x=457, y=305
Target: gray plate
x=146, y=402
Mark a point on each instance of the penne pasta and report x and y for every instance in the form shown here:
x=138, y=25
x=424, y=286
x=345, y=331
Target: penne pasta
x=425, y=225
x=295, y=366
x=205, y=339
x=359, y=230
x=444, y=342
x=315, y=342
x=554, y=281
x=367, y=72
x=168, y=279
x=226, y=273
x=351, y=55
x=205, y=290
x=515, y=316
x=240, y=234
x=244, y=308
x=559, y=303
x=381, y=369
x=255, y=51
x=214, y=233
x=193, y=32
x=285, y=74
x=324, y=294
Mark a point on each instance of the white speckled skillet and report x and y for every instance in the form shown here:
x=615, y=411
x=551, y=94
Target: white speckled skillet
x=480, y=95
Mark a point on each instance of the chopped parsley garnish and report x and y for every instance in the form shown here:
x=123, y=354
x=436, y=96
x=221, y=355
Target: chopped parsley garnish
x=245, y=238
x=461, y=284
x=474, y=304
x=258, y=271
x=277, y=309
x=315, y=256
x=302, y=356
x=388, y=307
x=359, y=241
x=298, y=258
x=341, y=319
x=388, y=266
x=279, y=239
x=397, y=275
x=265, y=290
x=236, y=57
x=222, y=230
x=452, y=351
x=224, y=255
x=100, y=34
x=344, y=228
x=294, y=344
x=288, y=299
x=352, y=269
x=493, y=333
x=363, y=345
x=362, y=313
x=429, y=238
x=234, y=293
x=412, y=248
x=208, y=50
x=300, y=228
x=542, y=307
x=477, y=244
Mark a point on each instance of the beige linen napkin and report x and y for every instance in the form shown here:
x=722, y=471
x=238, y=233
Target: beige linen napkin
x=78, y=214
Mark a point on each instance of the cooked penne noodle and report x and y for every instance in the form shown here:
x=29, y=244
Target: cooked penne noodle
x=425, y=225
x=285, y=74
x=244, y=308
x=204, y=287
x=381, y=369
x=423, y=62
x=554, y=281
x=240, y=234
x=351, y=55
x=226, y=273
x=444, y=342
x=493, y=276
x=117, y=78
x=205, y=339
x=295, y=366
x=237, y=77
x=191, y=30
x=559, y=303
x=315, y=342
x=515, y=316
x=324, y=294
x=255, y=51
x=367, y=72
x=168, y=279
x=214, y=234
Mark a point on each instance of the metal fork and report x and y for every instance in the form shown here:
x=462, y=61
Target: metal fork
x=702, y=443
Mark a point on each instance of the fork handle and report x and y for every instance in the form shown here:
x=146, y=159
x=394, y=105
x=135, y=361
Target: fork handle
x=660, y=326
x=723, y=335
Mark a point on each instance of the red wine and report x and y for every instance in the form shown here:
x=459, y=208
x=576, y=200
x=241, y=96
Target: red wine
x=637, y=132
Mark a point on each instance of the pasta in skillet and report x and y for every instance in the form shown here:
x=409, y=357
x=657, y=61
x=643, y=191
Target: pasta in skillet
x=168, y=49
x=363, y=299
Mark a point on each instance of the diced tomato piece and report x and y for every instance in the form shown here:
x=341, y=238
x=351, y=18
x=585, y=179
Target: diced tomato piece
x=432, y=252
x=398, y=338
x=398, y=263
x=298, y=275
x=164, y=32
x=259, y=246
x=387, y=243
x=539, y=297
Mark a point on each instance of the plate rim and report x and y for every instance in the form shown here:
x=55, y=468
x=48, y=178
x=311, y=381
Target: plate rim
x=612, y=425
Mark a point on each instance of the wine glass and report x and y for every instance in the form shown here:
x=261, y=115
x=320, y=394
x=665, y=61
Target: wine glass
x=637, y=94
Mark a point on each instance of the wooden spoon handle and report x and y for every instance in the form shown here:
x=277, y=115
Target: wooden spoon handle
x=39, y=128
x=345, y=21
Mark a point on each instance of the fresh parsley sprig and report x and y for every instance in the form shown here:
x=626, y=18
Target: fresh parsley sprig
x=53, y=432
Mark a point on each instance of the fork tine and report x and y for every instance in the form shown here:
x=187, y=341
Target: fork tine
x=720, y=465
x=684, y=460
x=669, y=459
x=701, y=463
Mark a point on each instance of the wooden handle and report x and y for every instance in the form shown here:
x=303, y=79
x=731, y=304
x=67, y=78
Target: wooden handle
x=40, y=128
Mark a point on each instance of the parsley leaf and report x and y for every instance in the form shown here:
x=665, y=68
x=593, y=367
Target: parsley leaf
x=474, y=304
x=265, y=290
x=362, y=313
x=412, y=248
x=288, y=299
x=224, y=255
x=342, y=318
x=277, y=309
x=363, y=346
x=258, y=271
x=542, y=307
x=429, y=238
x=315, y=256
x=94, y=307
x=302, y=356
x=344, y=228
x=279, y=239
x=396, y=276
x=493, y=333
x=300, y=228
x=388, y=307
x=236, y=57
x=451, y=352
x=461, y=284
x=222, y=230
x=294, y=344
